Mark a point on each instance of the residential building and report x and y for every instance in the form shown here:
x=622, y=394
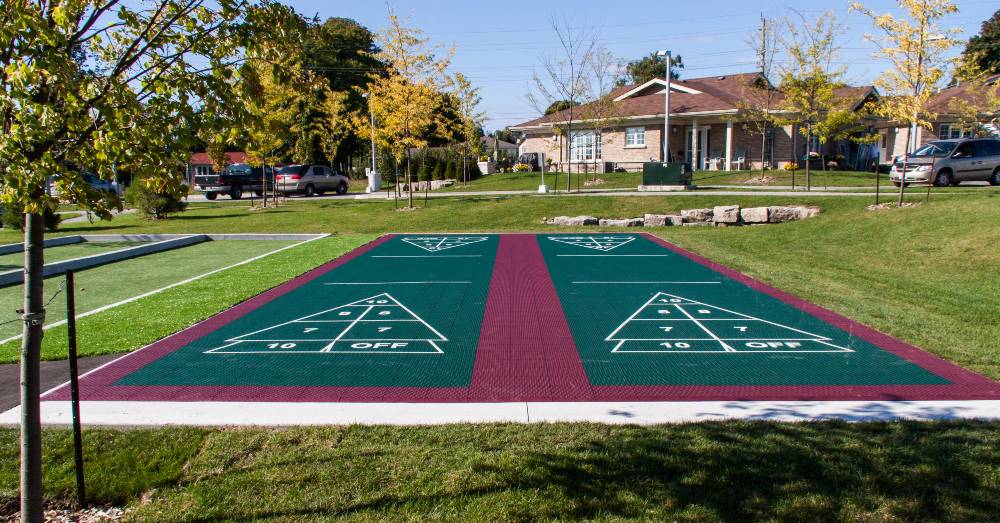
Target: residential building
x=199, y=164
x=706, y=125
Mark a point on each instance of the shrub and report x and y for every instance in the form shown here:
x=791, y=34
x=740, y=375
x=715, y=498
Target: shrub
x=151, y=204
x=450, y=171
x=791, y=166
x=439, y=170
x=522, y=167
x=426, y=168
x=474, y=172
x=13, y=218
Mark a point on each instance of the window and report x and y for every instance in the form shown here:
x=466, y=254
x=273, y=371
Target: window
x=964, y=149
x=635, y=137
x=585, y=146
x=951, y=131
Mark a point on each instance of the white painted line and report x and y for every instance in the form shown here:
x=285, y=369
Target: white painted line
x=353, y=323
x=702, y=327
x=209, y=413
x=171, y=286
x=617, y=255
x=393, y=282
x=430, y=256
x=645, y=282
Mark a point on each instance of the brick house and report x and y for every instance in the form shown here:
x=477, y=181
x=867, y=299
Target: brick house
x=705, y=123
x=946, y=124
x=199, y=164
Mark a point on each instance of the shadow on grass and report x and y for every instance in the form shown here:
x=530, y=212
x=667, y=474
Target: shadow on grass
x=734, y=471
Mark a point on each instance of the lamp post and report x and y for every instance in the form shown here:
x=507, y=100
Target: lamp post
x=666, y=109
x=371, y=114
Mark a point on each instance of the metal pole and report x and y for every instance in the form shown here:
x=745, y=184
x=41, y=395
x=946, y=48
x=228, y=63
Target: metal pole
x=74, y=389
x=666, y=114
x=372, y=113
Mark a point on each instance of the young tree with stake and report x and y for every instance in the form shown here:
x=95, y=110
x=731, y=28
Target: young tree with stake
x=471, y=119
x=809, y=80
x=100, y=84
x=915, y=46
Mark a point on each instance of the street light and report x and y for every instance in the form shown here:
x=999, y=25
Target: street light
x=666, y=109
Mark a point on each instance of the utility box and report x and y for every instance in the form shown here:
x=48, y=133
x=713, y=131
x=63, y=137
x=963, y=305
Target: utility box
x=658, y=176
x=374, y=180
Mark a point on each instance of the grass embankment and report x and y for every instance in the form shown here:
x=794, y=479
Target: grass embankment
x=734, y=471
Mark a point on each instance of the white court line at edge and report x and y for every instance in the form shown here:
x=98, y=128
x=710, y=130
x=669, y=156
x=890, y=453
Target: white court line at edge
x=103, y=308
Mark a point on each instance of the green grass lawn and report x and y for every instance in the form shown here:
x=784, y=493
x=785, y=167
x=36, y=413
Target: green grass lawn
x=927, y=275
x=9, y=262
x=732, y=471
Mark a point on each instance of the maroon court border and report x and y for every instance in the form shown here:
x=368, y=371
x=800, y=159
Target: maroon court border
x=526, y=352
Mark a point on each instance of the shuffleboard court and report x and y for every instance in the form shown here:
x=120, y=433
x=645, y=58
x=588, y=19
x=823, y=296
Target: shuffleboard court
x=523, y=327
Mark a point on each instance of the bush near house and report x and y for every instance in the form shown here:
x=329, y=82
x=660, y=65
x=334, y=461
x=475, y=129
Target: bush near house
x=151, y=204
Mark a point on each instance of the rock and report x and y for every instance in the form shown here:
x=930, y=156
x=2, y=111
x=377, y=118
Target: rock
x=624, y=222
x=675, y=219
x=654, y=220
x=572, y=221
x=808, y=212
x=754, y=215
x=726, y=214
x=696, y=215
x=781, y=213
x=697, y=224
x=789, y=213
x=437, y=184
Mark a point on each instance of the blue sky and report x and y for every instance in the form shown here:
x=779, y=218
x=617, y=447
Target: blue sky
x=500, y=44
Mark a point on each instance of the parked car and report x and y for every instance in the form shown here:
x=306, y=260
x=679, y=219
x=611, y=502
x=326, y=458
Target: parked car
x=310, y=180
x=90, y=179
x=950, y=162
x=238, y=178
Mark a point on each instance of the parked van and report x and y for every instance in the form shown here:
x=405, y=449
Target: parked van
x=950, y=162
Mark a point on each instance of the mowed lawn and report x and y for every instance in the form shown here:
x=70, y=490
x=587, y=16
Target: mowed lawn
x=927, y=275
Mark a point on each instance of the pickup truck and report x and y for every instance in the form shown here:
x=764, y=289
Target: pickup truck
x=238, y=178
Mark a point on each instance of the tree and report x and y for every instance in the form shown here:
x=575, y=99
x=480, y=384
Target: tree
x=600, y=112
x=471, y=120
x=915, y=47
x=560, y=105
x=565, y=77
x=982, y=52
x=809, y=80
x=406, y=97
x=757, y=102
x=648, y=67
x=147, y=70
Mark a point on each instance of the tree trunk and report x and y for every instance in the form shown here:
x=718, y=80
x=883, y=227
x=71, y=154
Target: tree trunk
x=808, y=157
x=902, y=175
x=31, y=345
x=763, y=151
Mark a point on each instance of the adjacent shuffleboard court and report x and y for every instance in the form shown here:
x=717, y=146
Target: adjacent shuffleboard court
x=438, y=328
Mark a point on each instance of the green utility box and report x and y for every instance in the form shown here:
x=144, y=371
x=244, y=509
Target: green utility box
x=656, y=174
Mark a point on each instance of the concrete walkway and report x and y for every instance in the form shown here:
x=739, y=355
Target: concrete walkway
x=53, y=373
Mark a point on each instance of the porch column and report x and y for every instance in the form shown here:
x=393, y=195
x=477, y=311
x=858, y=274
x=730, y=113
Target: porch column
x=695, y=164
x=729, y=144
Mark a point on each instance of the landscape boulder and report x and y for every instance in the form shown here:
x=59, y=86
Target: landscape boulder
x=788, y=213
x=624, y=222
x=573, y=221
x=696, y=215
x=728, y=214
x=655, y=220
x=437, y=184
x=675, y=219
x=754, y=215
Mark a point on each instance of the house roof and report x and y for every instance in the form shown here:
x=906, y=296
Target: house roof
x=231, y=158
x=967, y=91
x=714, y=94
x=488, y=141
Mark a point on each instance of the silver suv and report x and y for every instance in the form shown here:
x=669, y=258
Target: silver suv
x=950, y=162
x=310, y=180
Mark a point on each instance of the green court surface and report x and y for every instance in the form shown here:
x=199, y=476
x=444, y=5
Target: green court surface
x=643, y=315
x=110, y=283
x=377, y=321
x=15, y=260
